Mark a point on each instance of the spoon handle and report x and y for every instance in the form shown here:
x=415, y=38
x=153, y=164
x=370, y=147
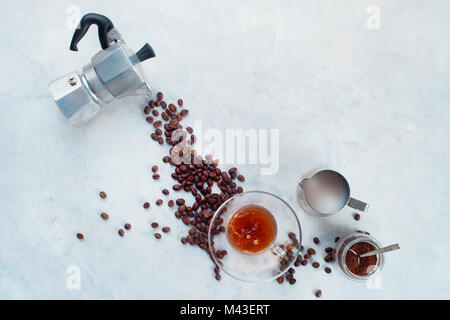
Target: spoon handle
x=381, y=250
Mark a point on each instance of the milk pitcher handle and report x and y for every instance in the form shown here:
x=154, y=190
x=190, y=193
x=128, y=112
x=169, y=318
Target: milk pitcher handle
x=357, y=204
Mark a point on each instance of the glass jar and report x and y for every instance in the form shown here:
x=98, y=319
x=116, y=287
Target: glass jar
x=342, y=248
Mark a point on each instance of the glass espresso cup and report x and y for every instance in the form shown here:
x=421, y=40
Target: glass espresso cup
x=245, y=260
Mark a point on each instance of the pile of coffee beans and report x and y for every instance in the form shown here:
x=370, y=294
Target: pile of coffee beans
x=193, y=174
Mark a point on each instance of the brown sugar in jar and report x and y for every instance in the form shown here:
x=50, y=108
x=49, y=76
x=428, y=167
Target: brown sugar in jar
x=347, y=255
x=357, y=265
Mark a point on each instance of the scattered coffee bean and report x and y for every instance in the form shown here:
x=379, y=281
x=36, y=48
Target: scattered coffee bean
x=307, y=256
x=127, y=226
x=155, y=176
x=328, y=270
x=147, y=110
x=280, y=279
x=180, y=102
x=165, y=229
x=159, y=202
x=157, y=123
x=155, y=224
x=328, y=249
x=318, y=293
x=190, y=130
x=241, y=178
x=80, y=236
x=159, y=96
x=336, y=239
x=165, y=192
x=292, y=235
x=157, y=235
x=146, y=205
x=316, y=240
x=304, y=262
x=155, y=168
x=292, y=281
x=357, y=217
x=102, y=194
x=104, y=216
x=328, y=258
x=311, y=251
x=149, y=119
x=121, y=232
x=315, y=264
x=170, y=203
x=218, y=277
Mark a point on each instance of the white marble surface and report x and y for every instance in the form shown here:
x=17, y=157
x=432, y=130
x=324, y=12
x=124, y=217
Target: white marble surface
x=373, y=104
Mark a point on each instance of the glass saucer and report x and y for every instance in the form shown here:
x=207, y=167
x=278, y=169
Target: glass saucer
x=268, y=264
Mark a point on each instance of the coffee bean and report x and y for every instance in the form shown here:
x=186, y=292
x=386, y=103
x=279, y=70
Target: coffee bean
x=103, y=194
x=127, y=226
x=289, y=276
x=155, y=112
x=357, y=217
x=190, y=130
x=304, y=262
x=157, y=123
x=159, y=95
x=180, y=102
x=170, y=203
x=149, y=119
x=292, y=281
x=329, y=257
x=218, y=277
x=316, y=264
x=157, y=235
x=302, y=248
x=172, y=108
x=328, y=249
x=146, y=205
x=318, y=293
x=121, y=232
x=316, y=240
x=292, y=235
x=176, y=187
x=80, y=236
x=290, y=246
x=158, y=102
x=159, y=202
x=311, y=251
x=165, y=229
x=165, y=191
x=297, y=263
x=180, y=202
x=147, y=110
x=155, y=176
x=154, y=224
x=241, y=178
x=291, y=270
x=328, y=270
x=184, y=112
x=104, y=216
x=307, y=256
x=165, y=159
x=183, y=240
x=336, y=239
x=152, y=103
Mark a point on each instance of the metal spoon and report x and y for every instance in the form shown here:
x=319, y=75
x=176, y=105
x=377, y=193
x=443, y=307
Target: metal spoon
x=392, y=247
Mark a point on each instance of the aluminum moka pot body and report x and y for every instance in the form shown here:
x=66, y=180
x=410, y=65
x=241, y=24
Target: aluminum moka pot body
x=114, y=72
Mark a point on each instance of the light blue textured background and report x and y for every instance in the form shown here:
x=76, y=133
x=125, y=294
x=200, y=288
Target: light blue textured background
x=373, y=104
